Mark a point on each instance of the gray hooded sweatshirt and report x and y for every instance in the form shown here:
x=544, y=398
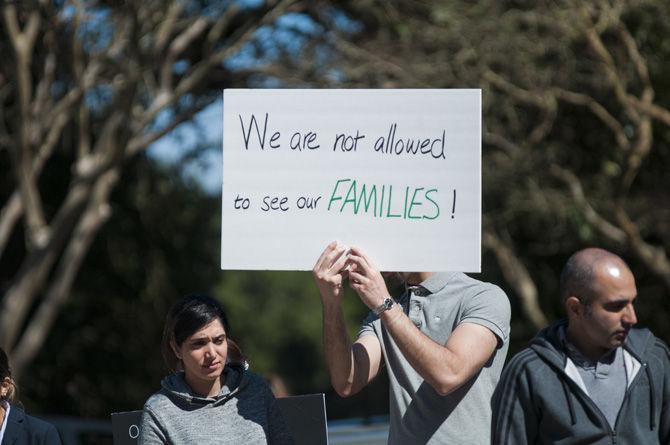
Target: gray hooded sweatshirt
x=541, y=400
x=244, y=412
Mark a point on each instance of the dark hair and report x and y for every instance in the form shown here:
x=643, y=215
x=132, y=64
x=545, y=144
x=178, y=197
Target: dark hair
x=578, y=277
x=186, y=317
x=577, y=280
x=6, y=372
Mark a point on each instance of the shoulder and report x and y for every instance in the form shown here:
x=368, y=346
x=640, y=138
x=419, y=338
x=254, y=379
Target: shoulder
x=255, y=382
x=157, y=402
x=470, y=288
x=524, y=370
x=44, y=429
x=643, y=342
x=658, y=350
x=525, y=361
x=487, y=304
x=33, y=426
x=255, y=391
x=478, y=287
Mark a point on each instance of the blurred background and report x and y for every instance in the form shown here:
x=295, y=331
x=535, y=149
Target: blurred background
x=110, y=175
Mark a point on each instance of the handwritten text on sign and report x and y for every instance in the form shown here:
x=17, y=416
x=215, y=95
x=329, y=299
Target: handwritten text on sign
x=396, y=172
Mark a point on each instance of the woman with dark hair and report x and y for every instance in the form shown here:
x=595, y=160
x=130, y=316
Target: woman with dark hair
x=210, y=398
x=16, y=427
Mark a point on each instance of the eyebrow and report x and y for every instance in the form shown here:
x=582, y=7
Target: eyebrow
x=207, y=337
x=622, y=300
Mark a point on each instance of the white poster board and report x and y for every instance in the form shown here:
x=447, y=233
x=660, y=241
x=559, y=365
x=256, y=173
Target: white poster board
x=394, y=172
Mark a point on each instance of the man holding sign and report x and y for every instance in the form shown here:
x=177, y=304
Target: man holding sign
x=444, y=343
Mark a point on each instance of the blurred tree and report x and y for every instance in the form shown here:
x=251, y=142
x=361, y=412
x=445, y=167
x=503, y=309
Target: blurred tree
x=159, y=243
x=576, y=116
x=97, y=82
x=576, y=140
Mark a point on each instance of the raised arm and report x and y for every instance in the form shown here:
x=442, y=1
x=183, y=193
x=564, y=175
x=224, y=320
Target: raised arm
x=444, y=367
x=351, y=366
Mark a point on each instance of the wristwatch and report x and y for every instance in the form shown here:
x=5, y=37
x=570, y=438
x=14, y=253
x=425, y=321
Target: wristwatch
x=385, y=306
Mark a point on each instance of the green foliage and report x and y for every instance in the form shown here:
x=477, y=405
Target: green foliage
x=276, y=318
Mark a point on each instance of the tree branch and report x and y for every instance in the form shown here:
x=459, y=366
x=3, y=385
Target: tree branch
x=517, y=276
x=9, y=216
x=657, y=112
x=36, y=266
x=619, y=86
x=96, y=213
x=655, y=258
x=603, y=226
x=599, y=111
x=177, y=46
x=166, y=27
x=199, y=72
x=139, y=142
x=23, y=43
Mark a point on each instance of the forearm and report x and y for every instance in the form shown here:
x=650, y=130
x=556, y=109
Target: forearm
x=436, y=364
x=337, y=348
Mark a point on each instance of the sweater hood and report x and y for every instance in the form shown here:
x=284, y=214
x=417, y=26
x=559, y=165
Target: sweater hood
x=639, y=343
x=234, y=379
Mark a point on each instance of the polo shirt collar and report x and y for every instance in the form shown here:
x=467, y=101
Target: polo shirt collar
x=437, y=281
x=579, y=358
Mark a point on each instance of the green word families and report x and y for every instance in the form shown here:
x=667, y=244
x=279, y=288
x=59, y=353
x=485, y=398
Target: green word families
x=383, y=201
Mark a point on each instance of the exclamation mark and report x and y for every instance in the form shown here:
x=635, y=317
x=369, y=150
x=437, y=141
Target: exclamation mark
x=453, y=205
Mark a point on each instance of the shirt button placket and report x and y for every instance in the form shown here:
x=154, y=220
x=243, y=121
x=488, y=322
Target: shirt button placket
x=415, y=312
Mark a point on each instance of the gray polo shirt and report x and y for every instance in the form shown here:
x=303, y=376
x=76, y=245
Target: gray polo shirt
x=605, y=380
x=418, y=414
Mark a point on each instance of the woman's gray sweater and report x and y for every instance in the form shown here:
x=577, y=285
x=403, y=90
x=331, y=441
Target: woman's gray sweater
x=244, y=412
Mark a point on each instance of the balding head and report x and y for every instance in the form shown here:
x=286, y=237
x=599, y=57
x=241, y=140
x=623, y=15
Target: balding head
x=581, y=273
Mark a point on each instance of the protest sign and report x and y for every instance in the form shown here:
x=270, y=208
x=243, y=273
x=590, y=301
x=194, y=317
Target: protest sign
x=126, y=427
x=394, y=172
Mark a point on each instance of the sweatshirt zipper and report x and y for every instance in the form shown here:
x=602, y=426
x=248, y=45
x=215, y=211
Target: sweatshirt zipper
x=612, y=432
x=594, y=408
x=643, y=365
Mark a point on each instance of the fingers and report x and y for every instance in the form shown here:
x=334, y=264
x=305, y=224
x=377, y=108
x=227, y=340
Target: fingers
x=330, y=257
x=358, y=252
x=340, y=262
x=367, y=260
x=360, y=271
x=356, y=279
x=359, y=263
x=324, y=254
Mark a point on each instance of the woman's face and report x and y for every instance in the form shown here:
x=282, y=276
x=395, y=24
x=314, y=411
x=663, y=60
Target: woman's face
x=204, y=353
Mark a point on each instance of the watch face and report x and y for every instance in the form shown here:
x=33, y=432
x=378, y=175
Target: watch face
x=385, y=306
